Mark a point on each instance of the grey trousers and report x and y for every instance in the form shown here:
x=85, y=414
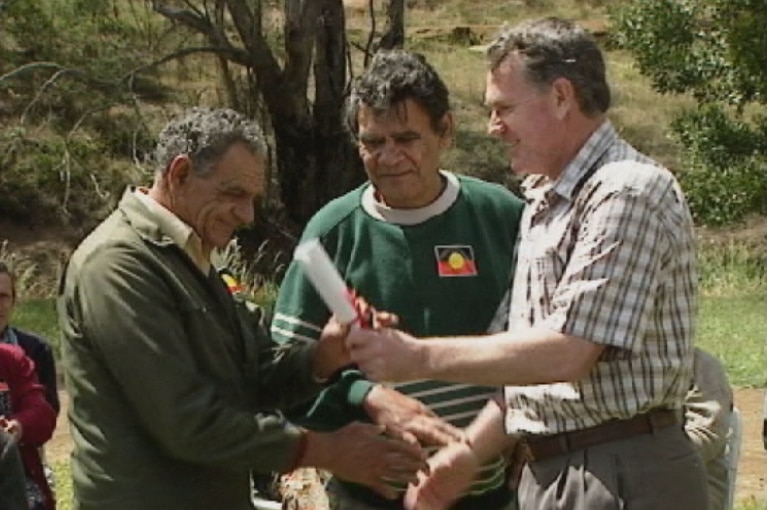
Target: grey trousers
x=340, y=499
x=657, y=471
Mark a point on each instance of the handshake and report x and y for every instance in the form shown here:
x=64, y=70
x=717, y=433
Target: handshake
x=404, y=427
x=394, y=449
x=395, y=454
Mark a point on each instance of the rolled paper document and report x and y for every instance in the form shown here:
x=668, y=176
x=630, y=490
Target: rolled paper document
x=314, y=260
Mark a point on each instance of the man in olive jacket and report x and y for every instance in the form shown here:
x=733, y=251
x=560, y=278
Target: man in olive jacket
x=173, y=384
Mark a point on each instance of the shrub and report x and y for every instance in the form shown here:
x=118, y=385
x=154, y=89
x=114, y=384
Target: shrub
x=714, y=50
x=725, y=175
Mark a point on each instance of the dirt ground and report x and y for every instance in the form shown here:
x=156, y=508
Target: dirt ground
x=752, y=466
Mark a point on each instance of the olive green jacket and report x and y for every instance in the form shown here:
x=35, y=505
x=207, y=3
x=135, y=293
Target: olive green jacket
x=173, y=384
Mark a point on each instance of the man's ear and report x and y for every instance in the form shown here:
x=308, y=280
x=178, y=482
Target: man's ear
x=564, y=97
x=448, y=130
x=179, y=170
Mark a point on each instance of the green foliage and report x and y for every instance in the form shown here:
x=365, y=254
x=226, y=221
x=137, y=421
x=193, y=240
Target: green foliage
x=63, y=479
x=725, y=177
x=752, y=503
x=257, y=273
x=728, y=268
x=39, y=316
x=731, y=325
x=65, y=72
x=733, y=328
x=79, y=183
x=715, y=50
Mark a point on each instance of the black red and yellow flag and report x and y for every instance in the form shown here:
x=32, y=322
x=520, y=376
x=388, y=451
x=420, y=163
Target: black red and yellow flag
x=455, y=260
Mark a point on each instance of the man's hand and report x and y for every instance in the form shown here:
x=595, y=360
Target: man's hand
x=451, y=472
x=12, y=427
x=372, y=318
x=365, y=454
x=408, y=417
x=331, y=353
x=386, y=354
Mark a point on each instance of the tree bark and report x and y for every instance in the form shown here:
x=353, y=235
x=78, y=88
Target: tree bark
x=315, y=157
x=394, y=30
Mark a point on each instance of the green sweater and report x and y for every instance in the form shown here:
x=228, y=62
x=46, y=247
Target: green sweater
x=443, y=269
x=172, y=384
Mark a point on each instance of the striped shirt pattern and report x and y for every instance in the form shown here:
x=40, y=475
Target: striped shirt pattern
x=458, y=404
x=606, y=254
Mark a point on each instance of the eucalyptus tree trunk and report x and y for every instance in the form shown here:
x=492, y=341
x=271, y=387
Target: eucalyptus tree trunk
x=302, y=79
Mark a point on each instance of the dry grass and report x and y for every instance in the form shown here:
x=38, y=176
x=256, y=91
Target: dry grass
x=448, y=33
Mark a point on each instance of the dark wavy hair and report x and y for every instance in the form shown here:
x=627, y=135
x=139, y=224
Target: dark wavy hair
x=392, y=77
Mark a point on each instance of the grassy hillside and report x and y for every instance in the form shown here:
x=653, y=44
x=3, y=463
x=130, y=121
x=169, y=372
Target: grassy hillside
x=68, y=157
x=75, y=179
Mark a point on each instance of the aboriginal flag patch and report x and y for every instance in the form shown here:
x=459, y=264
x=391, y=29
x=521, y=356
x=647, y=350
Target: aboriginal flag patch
x=231, y=282
x=455, y=260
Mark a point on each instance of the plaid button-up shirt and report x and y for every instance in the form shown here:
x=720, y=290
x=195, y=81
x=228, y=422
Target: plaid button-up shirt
x=606, y=254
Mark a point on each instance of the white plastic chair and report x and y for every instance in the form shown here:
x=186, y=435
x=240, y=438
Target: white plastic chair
x=732, y=454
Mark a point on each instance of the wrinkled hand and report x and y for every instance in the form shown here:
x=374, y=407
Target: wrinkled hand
x=12, y=427
x=409, y=418
x=451, y=472
x=331, y=353
x=385, y=354
x=366, y=455
x=372, y=318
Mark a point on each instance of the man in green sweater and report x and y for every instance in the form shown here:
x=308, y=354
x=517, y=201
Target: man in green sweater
x=431, y=246
x=174, y=386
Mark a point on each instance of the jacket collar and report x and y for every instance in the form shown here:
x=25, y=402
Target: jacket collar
x=157, y=225
x=141, y=219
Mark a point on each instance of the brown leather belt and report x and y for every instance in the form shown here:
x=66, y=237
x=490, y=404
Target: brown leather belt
x=542, y=447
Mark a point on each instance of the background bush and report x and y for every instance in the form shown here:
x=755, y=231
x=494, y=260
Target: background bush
x=716, y=52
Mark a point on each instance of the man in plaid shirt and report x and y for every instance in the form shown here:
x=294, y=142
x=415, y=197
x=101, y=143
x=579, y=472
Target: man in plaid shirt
x=597, y=358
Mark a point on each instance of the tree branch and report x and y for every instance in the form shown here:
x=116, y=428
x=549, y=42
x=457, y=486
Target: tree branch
x=236, y=55
x=371, y=36
x=188, y=17
x=48, y=83
x=263, y=61
x=301, y=17
x=32, y=66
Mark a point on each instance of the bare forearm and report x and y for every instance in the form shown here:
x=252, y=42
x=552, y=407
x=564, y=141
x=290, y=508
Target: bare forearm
x=486, y=433
x=533, y=356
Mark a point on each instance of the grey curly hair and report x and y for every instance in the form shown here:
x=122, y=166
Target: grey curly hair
x=205, y=134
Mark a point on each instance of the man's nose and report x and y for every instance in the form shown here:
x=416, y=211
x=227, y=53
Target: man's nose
x=245, y=212
x=390, y=154
x=495, y=126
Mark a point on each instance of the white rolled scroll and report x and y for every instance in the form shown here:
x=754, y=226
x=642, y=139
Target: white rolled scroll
x=314, y=260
